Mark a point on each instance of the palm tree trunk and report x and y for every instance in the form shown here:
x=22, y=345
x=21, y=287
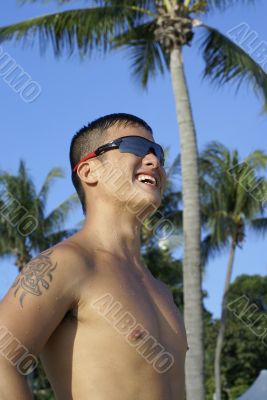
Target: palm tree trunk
x=220, y=337
x=191, y=230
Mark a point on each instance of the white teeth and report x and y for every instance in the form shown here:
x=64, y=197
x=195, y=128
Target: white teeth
x=150, y=179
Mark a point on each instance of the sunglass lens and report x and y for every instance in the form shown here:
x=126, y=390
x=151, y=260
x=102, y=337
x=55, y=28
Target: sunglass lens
x=140, y=147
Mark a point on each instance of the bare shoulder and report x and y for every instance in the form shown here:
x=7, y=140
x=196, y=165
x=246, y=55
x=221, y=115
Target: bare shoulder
x=64, y=256
x=72, y=259
x=44, y=291
x=71, y=255
x=58, y=269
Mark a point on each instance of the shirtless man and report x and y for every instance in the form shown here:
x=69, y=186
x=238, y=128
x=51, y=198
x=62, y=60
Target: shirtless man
x=103, y=326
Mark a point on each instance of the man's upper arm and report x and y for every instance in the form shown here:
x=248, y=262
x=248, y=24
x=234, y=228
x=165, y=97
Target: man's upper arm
x=37, y=301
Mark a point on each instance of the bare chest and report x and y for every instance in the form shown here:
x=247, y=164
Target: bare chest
x=126, y=329
x=135, y=306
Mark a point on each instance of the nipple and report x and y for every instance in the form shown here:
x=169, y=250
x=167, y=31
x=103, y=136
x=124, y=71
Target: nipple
x=136, y=334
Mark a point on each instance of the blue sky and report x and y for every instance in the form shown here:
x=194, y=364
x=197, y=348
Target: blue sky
x=74, y=92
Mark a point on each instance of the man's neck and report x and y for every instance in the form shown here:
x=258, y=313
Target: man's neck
x=118, y=234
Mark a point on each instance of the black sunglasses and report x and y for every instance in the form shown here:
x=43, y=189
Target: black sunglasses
x=136, y=145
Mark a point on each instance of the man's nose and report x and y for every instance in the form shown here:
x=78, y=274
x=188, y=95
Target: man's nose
x=151, y=159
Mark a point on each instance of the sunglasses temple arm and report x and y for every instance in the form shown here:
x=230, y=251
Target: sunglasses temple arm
x=87, y=157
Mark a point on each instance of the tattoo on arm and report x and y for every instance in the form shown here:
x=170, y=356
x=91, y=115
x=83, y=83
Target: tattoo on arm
x=35, y=276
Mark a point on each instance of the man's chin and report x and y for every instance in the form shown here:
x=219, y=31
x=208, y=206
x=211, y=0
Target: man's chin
x=144, y=203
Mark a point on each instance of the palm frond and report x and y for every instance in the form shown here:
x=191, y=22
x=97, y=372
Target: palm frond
x=51, y=176
x=257, y=159
x=140, y=6
x=225, y=61
x=145, y=52
x=60, y=2
x=224, y=4
x=211, y=248
x=171, y=201
x=175, y=168
x=84, y=29
x=59, y=215
x=43, y=1
x=259, y=225
x=5, y=249
x=19, y=199
x=79, y=225
x=18, y=188
x=251, y=184
x=57, y=237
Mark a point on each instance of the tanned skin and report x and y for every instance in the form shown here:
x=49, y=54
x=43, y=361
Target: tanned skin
x=66, y=304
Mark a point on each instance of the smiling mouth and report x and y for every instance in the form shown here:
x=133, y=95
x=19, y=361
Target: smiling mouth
x=147, y=180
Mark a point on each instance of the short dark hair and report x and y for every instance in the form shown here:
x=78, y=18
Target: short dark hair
x=90, y=137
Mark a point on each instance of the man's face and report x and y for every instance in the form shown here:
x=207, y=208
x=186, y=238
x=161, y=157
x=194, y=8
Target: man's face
x=122, y=176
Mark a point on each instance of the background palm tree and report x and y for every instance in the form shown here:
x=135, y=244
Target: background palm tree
x=19, y=199
x=233, y=196
x=155, y=31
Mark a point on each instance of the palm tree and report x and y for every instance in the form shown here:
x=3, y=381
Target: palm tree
x=233, y=196
x=155, y=32
x=24, y=226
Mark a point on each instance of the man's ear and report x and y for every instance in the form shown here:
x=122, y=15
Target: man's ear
x=85, y=172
